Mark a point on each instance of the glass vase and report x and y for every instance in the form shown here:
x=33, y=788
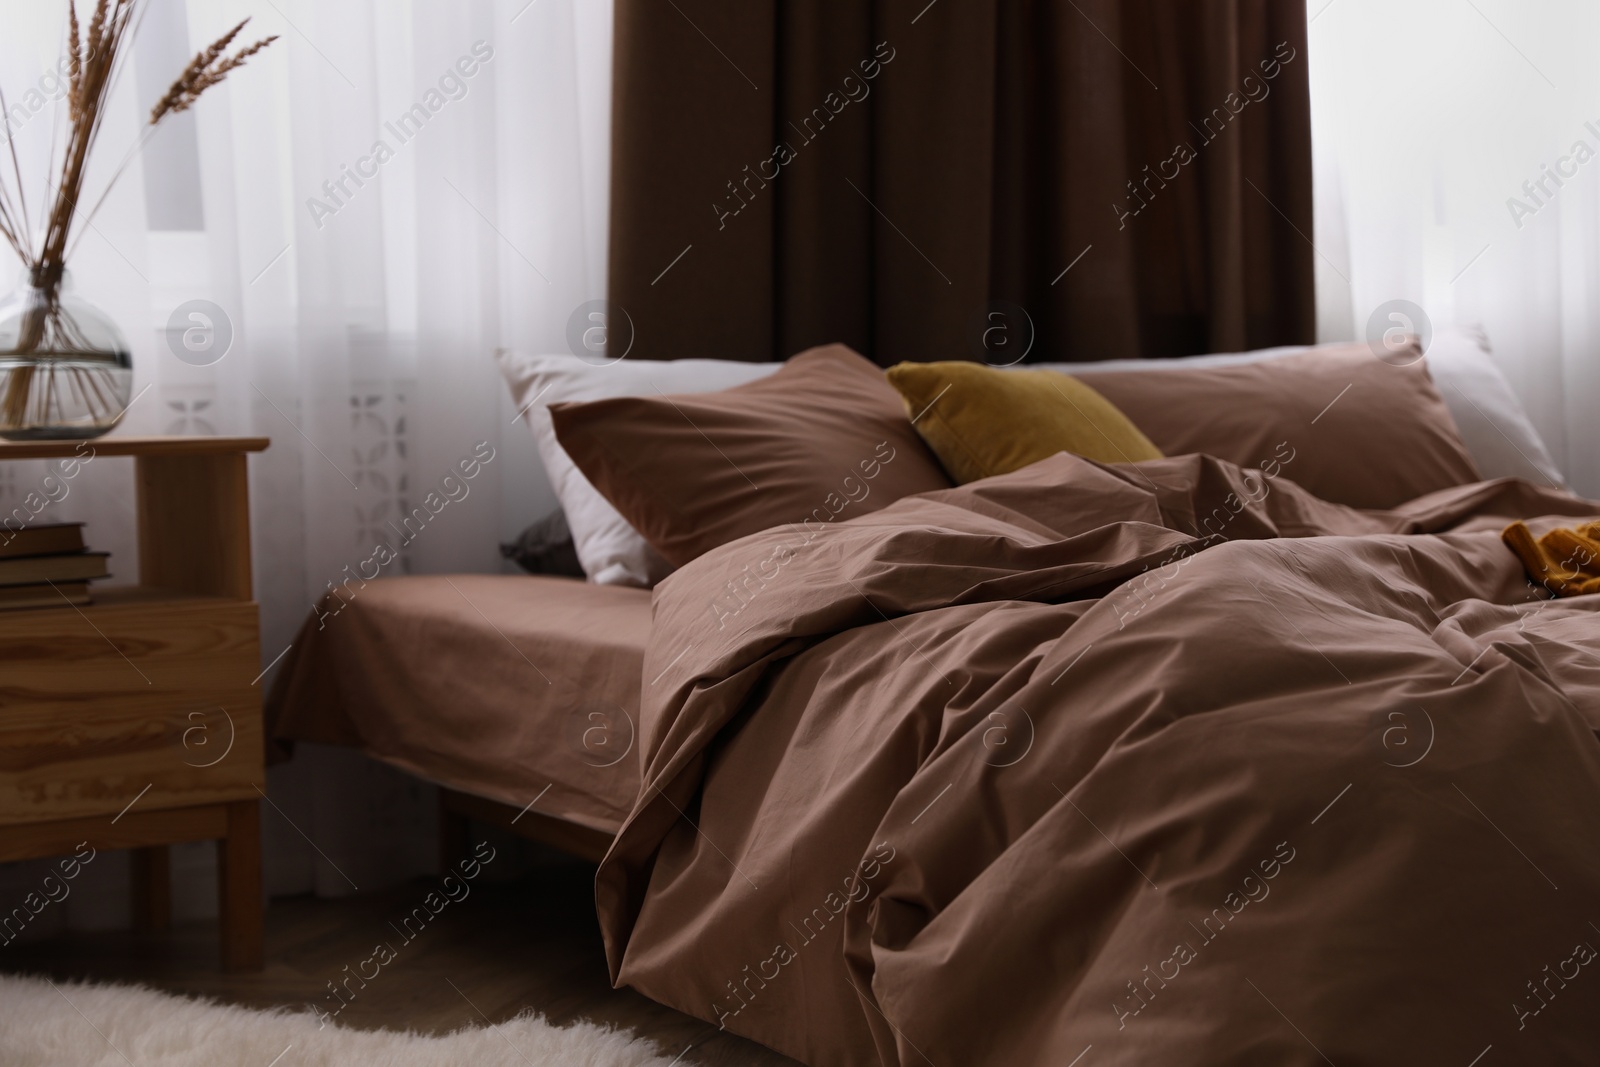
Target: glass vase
x=65, y=369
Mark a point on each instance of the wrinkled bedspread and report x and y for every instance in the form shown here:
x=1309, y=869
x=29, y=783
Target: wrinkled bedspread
x=1167, y=763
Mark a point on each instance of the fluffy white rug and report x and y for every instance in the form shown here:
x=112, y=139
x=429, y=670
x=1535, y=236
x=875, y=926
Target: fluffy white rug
x=82, y=1025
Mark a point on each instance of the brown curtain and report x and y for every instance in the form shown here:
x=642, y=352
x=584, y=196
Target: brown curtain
x=1092, y=179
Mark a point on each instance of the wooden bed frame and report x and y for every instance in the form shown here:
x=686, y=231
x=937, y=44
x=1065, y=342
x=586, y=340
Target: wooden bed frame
x=456, y=808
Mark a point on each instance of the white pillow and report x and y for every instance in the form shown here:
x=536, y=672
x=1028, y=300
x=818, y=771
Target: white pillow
x=1491, y=420
x=611, y=551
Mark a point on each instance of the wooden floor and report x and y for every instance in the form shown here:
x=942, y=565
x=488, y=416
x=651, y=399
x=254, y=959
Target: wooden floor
x=533, y=943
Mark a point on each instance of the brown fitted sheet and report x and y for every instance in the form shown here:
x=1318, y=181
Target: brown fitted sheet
x=516, y=688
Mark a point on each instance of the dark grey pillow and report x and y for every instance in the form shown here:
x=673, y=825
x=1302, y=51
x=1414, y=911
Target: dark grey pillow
x=546, y=548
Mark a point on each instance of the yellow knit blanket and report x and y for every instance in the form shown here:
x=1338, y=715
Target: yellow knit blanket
x=1565, y=561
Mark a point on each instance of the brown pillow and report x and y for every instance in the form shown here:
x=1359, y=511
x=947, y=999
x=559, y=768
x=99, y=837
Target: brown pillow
x=1360, y=431
x=824, y=439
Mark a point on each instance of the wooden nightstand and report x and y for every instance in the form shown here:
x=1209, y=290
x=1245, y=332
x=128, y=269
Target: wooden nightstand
x=134, y=722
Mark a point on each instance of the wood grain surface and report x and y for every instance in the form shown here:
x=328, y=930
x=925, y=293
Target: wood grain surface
x=142, y=697
x=114, y=445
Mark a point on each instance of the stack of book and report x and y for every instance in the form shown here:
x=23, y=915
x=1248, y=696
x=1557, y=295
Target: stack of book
x=46, y=566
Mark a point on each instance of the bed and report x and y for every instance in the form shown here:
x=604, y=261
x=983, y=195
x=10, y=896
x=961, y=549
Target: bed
x=1086, y=762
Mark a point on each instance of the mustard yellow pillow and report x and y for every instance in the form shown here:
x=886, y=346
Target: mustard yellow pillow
x=981, y=421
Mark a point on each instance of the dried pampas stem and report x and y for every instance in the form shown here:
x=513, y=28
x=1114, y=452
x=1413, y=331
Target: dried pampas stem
x=94, y=57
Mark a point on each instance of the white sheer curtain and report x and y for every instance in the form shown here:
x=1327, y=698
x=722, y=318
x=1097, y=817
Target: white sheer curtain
x=1449, y=173
x=375, y=203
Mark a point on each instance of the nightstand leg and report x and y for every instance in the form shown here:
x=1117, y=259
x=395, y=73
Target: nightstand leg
x=239, y=883
x=152, y=887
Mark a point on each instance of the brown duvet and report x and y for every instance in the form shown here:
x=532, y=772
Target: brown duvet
x=1091, y=765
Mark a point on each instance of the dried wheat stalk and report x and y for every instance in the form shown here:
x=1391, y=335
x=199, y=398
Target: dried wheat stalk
x=208, y=67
